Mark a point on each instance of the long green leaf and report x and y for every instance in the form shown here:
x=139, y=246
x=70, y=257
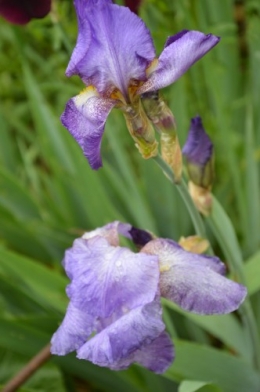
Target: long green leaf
x=210, y=365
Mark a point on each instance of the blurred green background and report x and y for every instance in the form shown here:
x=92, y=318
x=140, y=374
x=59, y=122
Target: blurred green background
x=49, y=195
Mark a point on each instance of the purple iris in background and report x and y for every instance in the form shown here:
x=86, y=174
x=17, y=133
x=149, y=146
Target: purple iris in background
x=133, y=5
x=22, y=11
x=115, y=57
x=114, y=317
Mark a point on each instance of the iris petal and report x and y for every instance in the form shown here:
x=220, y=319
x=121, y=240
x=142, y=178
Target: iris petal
x=149, y=358
x=115, y=346
x=85, y=116
x=180, y=53
x=195, y=282
x=113, y=46
x=73, y=332
x=113, y=279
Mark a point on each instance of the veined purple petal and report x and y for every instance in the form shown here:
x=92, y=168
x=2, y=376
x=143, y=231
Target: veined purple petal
x=158, y=355
x=194, y=282
x=73, y=332
x=113, y=46
x=108, y=281
x=198, y=148
x=180, y=53
x=85, y=116
x=118, y=345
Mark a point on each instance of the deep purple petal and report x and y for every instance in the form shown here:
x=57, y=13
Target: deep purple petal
x=140, y=237
x=194, y=282
x=73, y=332
x=107, y=281
x=85, y=116
x=21, y=12
x=198, y=148
x=113, y=46
x=180, y=53
x=115, y=346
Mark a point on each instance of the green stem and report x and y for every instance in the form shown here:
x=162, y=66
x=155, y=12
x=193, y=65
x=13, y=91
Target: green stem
x=183, y=190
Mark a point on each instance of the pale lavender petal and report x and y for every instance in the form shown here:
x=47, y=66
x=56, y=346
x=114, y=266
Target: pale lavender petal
x=73, y=332
x=169, y=250
x=158, y=355
x=180, y=53
x=85, y=116
x=113, y=47
x=111, y=232
x=198, y=148
x=115, y=346
x=107, y=281
x=194, y=282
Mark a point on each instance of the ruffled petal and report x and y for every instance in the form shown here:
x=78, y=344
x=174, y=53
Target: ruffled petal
x=180, y=53
x=195, y=282
x=113, y=46
x=158, y=355
x=107, y=281
x=73, y=332
x=85, y=116
x=115, y=346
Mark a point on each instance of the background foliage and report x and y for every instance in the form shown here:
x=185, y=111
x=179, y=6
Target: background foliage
x=49, y=195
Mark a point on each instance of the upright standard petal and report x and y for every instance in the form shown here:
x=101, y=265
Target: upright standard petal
x=113, y=46
x=180, y=53
x=113, y=279
x=193, y=281
x=85, y=116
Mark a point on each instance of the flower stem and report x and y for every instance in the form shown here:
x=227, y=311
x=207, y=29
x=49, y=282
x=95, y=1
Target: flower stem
x=183, y=190
x=35, y=363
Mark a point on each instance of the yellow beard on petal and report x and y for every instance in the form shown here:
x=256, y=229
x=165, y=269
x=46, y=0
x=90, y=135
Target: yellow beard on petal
x=84, y=95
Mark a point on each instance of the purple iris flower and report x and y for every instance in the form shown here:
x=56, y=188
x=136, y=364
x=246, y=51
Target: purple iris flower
x=22, y=11
x=115, y=57
x=114, y=317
